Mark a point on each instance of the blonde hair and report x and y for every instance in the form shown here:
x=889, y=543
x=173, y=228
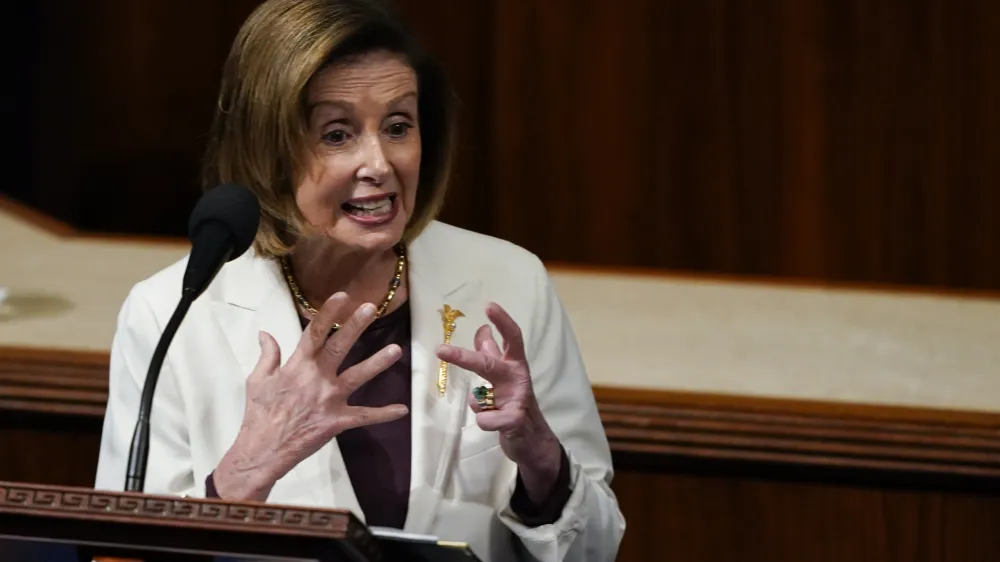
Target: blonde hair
x=259, y=137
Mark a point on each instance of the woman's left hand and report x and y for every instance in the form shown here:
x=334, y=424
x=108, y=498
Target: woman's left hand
x=525, y=436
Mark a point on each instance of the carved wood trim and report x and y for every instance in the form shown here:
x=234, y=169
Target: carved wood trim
x=136, y=522
x=947, y=445
x=53, y=382
x=655, y=423
x=82, y=503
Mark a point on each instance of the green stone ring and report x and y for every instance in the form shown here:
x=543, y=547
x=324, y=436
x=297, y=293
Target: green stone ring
x=484, y=397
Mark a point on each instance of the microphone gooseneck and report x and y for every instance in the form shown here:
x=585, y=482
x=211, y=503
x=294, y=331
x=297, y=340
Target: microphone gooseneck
x=138, y=456
x=222, y=227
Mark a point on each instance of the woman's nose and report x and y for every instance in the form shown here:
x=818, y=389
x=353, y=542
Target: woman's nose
x=374, y=164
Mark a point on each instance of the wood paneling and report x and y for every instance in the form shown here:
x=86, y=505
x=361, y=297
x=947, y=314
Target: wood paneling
x=655, y=424
x=846, y=140
x=829, y=139
x=466, y=51
x=690, y=517
x=49, y=448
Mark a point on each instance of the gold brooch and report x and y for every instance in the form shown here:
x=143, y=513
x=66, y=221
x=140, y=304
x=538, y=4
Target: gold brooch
x=448, y=317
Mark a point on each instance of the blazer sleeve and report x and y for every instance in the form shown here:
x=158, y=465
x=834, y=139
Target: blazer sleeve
x=170, y=465
x=591, y=525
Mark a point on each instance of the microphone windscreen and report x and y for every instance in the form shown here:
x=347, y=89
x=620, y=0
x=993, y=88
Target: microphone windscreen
x=233, y=206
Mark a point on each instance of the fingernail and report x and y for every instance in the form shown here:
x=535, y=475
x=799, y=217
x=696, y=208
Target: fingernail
x=260, y=337
x=368, y=309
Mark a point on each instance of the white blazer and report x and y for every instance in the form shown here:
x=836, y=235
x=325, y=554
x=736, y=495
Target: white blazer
x=461, y=481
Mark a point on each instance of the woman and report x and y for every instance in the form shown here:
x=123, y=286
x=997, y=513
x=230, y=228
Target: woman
x=348, y=359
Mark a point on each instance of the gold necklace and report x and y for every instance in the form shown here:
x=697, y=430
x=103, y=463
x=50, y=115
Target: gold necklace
x=397, y=279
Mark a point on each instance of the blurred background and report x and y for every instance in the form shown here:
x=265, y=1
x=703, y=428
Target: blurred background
x=845, y=140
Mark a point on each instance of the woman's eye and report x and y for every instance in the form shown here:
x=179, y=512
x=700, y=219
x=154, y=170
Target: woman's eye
x=399, y=130
x=336, y=136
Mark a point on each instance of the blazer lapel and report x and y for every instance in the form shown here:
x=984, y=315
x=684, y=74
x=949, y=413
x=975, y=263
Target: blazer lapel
x=256, y=298
x=437, y=419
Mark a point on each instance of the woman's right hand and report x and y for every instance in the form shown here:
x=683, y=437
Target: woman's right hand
x=295, y=409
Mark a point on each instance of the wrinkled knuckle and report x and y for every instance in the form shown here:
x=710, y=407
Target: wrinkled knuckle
x=315, y=336
x=490, y=365
x=334, y=349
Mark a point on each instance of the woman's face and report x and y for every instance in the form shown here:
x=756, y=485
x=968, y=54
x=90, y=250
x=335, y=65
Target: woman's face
x=360, y=184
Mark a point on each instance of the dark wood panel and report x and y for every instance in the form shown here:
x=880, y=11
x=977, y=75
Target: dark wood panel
x=687, y=517
x=465, y=49
x=843, y=140
x=49, y=448
x=825, y=139
x=125, y=92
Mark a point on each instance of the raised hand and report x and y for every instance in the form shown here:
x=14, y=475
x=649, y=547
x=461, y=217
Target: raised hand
x=525, y=436
x=295, y=409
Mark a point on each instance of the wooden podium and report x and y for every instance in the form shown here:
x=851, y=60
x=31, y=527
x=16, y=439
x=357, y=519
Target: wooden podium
x=86, y=524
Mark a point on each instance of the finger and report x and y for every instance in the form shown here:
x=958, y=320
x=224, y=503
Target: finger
x=316, y=332
x=494, y=420
x=353, y=378
x=270, y=355
x=491, y=347
x=358, y=416
x=483, y=339
x=513, y=344
x=487, y=366
x=337, y=345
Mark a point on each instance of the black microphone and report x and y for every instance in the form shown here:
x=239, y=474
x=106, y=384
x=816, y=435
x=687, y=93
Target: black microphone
x=222, y=227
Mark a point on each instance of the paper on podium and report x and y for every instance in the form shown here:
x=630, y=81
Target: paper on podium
x=400, y=545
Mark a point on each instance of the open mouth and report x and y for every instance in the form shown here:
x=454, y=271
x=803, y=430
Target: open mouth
x=370, y=206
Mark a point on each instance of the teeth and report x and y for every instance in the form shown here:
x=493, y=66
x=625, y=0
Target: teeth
x=371, y=205
x=369, y=208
